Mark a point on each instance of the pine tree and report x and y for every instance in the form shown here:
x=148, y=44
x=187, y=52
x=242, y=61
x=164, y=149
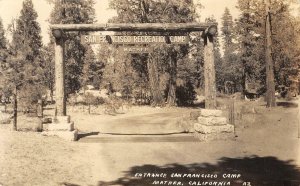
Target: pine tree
x=227, y=30
x=285, y=46
x=27, y=34
x=150, y=11
x=49, y=69
x=231, y=65
x=3, y=41
x=73, y=12
x=251, y=40
x=92, y=69
x=3, y=56
x=26, y=53
x=270, y=81
x=252, y=36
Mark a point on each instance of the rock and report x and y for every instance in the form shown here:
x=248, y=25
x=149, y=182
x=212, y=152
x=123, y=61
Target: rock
x=194, y=115
x=211, y=112
x=67, y=135
x=186, y=124
x=214, y=136
x=38, y=126
x=204, y=129
x=199, y=99
x=61, y=119
x=59, y=127
x=212, y=120
x=47, y=120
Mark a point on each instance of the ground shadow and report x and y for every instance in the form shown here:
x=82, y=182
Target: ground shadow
x=141, y=138
x=194, y=105
x=287, y=104
x=68, y=184
x=259, y=171
x=48, y=108
x=82, y=135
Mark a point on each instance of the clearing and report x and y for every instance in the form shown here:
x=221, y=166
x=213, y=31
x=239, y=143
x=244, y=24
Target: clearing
x=265, y=152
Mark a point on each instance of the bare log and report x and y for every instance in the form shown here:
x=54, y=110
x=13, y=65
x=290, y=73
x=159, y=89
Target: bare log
x=147, y=27
x=60, y=75
x=209, y=73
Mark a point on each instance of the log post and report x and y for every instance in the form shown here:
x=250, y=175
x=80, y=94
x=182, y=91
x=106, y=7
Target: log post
x=60, y=99
x=209, y=69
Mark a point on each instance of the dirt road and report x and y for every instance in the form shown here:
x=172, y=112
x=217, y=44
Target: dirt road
x=265, y=152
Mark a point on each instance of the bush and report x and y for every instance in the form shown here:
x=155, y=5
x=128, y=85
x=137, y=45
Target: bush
x=91, y=100
x=29, y=96
x=113, y=104
x=186, y=95
x=5, y=118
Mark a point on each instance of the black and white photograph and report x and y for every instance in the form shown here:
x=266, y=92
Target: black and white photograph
x=149, y=92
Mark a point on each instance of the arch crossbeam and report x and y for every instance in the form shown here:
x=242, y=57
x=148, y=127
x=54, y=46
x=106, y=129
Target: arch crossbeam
x=146, y=27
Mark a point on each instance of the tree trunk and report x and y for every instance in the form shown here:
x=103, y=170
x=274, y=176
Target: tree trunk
x=209, y=73
x=51, y=93
x=15, y=114
x=243, y=93
x=157, y=98
x=271, y=102
x=171, y=101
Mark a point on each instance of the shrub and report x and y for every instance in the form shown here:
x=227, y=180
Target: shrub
x=185, y=94
x=5, y=118
x=91, y=100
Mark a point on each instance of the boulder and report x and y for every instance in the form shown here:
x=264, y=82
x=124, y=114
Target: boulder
x=211, y=112
x=59, y=126
x=204, y=129
x=214, y=136
x=212, y=120
x=66, y=135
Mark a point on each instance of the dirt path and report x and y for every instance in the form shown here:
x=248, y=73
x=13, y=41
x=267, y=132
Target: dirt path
x=144, y=120
x=266, y=152
x=266, y=146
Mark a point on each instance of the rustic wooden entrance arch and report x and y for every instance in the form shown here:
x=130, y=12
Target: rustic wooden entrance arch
x=208, y=33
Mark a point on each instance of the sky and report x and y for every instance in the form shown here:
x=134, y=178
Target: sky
x=10, y=9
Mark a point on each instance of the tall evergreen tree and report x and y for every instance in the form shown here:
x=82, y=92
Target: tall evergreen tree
x=73, y=12
x=231, y=65
x=150, y=11
x=270, y=80
x=26, y=50
x=27, y=34
x=3, y=41
x=285, y=47
x=251, y=40
x=252, y=36
x=3, y=55
x=92, y=69
x=227, y=30
x=49, y=69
